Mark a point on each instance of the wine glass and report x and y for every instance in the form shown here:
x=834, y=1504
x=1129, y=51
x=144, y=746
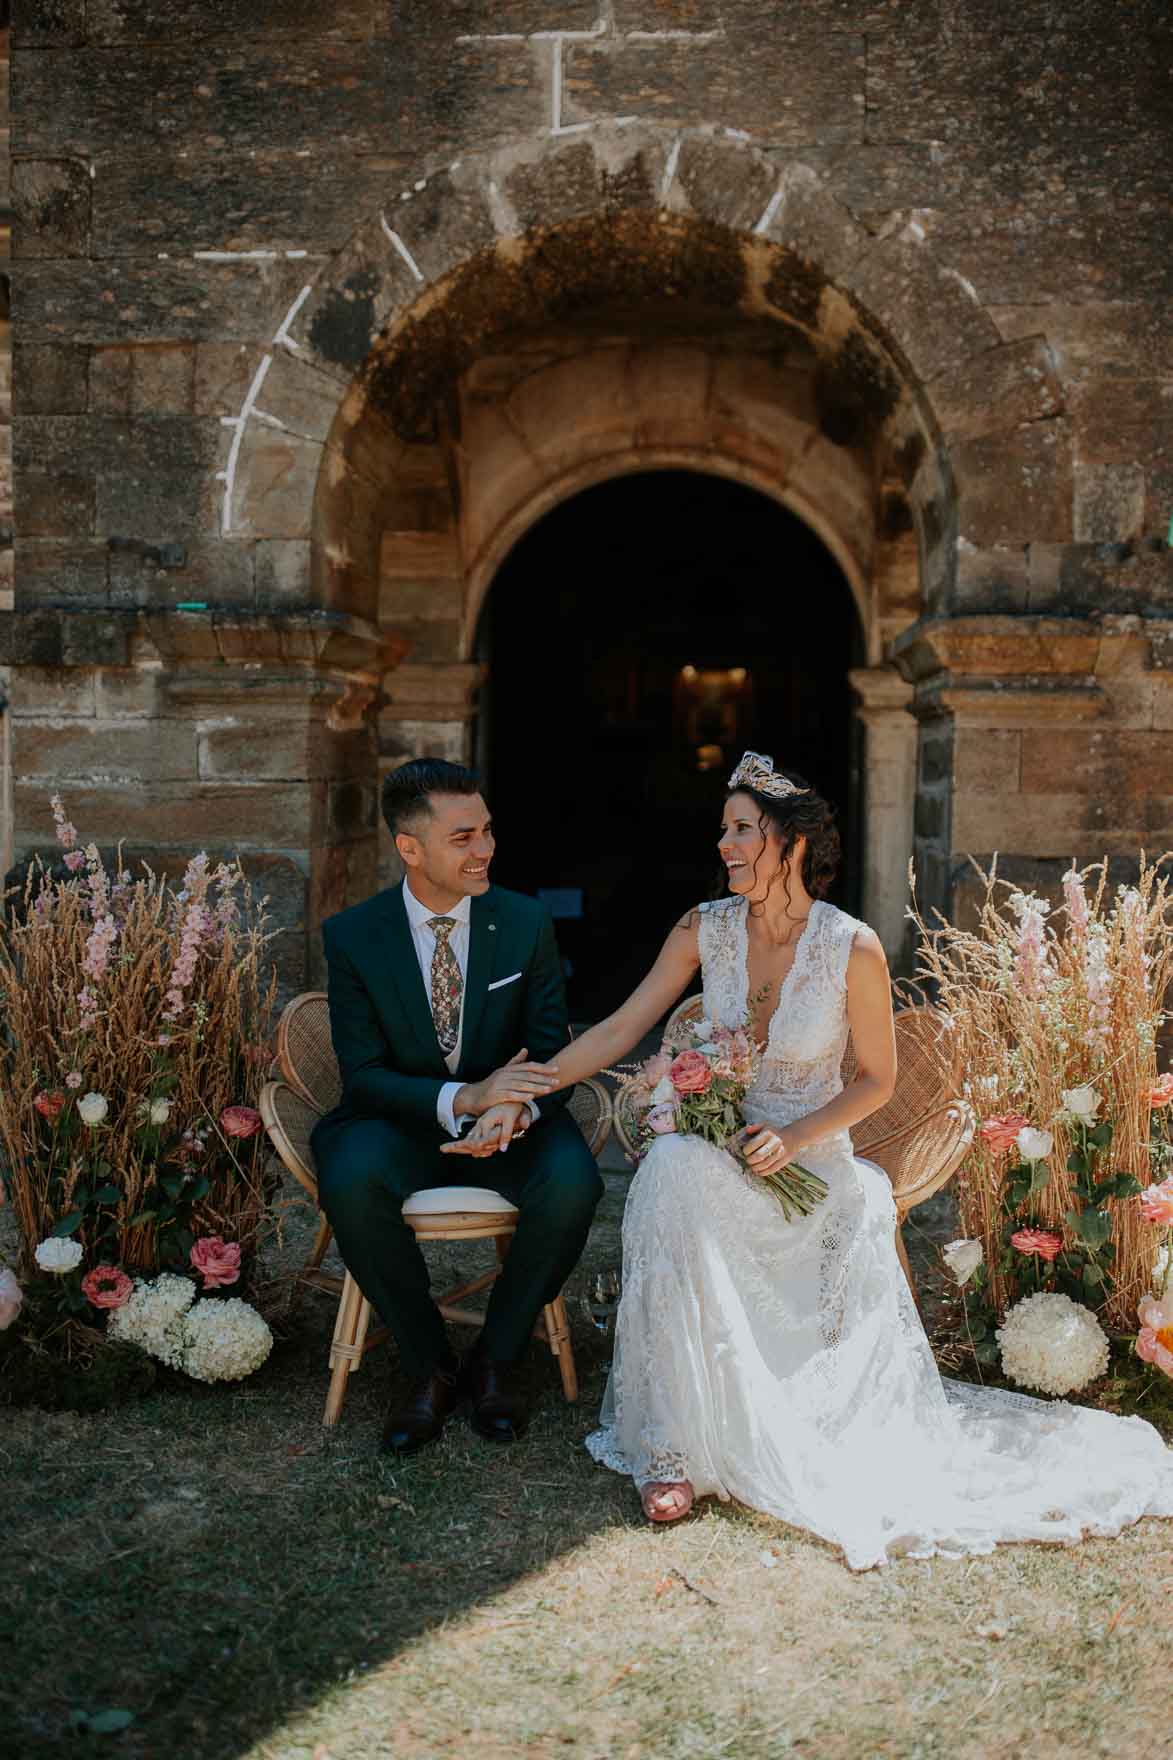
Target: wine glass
x=601, y=1300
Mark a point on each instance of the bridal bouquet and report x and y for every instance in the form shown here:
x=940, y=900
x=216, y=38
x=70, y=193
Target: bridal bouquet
x=695, y=1086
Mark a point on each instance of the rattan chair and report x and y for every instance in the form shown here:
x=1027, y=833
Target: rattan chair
x=919, y=1137
x=310, y=1084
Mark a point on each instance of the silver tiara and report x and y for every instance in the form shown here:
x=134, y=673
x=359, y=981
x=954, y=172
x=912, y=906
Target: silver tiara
x=756, y=771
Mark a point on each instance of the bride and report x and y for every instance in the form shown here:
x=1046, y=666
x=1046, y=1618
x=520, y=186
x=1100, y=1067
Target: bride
x=784, y=1363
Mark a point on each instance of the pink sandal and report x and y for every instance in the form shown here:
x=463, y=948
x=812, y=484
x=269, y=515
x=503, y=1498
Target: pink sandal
x=676, y=1494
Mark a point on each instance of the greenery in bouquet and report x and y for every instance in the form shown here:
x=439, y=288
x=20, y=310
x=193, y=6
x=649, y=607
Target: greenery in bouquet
x=133, y=1047
x=1055, y=1018
x=695, y=1085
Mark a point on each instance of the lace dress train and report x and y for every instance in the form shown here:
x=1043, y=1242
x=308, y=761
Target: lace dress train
x=785, y=1365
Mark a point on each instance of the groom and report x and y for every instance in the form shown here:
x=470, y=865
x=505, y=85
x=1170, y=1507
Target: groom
x=433, y=986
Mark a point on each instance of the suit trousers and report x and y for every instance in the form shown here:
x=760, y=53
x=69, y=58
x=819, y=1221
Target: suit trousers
x=367, y=1167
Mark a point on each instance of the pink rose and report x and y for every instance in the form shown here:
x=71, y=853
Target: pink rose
x=49, y=1105
x=107, y=1287
x=662, y=1120
x=690, y=1073
x=654, y=1069
x=1162, y=1093
x=1038, y=1243
x=1001, y=1134
x=1156, y=1203
x=11, y=1298
x=240, y=1121
x=216, y=1260
x=1155, y=1343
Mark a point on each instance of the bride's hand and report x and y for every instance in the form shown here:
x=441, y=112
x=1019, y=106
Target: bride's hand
x=764, y=1148
x=493, y=1131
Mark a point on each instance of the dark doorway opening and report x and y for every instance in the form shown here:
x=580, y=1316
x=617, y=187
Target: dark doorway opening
x=639, y=638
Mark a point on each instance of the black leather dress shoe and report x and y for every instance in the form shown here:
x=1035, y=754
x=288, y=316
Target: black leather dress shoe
x=421, y=1418
x=499, y=1412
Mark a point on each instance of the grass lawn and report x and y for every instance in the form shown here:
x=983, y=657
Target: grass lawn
x=245, y=1584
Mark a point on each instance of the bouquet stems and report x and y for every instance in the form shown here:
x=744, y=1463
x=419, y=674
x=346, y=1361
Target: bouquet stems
x=796, y=1189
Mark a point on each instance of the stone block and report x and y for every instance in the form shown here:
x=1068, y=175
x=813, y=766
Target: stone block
x=49, y=379
x=1007, y=385
x=431, y=600
x=283, y=751
x=347, y=309
x=935, y=317
x=223, y=373
x=103, y=754
x=40, y=24
x=109, y=302
x=445, y=222
x=1108, y=763
x=30, y=638
x=275, y=483
x=49, y=691
x=723, y=182
x=611, y=169
x=215, y=572
x=296, y=398
x=55, y=572
x=877, y=178
x=282, y=568
x=95, y=640
x=1016, y=487
x=1051, y=825
x=421, y=554
x=222, y=816
x=1109, y=502
x=127, y=693
x=987, y=761
x=995, y=579
x=50, y=208
x=54, y=505
x=799, y=86
x=1102, y=338
x=154, y=380
x=154, y=21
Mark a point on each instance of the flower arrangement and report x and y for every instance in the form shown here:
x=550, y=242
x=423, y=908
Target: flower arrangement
x=1054, y=1017
x=208, y=1340
x=695, y=1085
x=136, y=1017
x=1051, y=1344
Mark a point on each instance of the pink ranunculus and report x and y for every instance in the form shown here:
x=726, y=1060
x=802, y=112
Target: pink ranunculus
x=216, y=1260
x=1156, y=1203
x=1001, y=1134
x=691, y=1073
x=654, y=1069
x=1162, y=1093
x=662, y=1119
x=1038, y=1243
x=107, y=1287
x=240, y=1121
x=1155, y=1342
x=11, y=1298
x=50, y=1105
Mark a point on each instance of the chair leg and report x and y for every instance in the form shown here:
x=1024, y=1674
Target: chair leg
x=558, y=1337
x=321, y=1244
x=346, y=1350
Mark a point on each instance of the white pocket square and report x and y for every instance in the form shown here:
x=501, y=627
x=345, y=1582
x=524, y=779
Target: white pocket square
x=502, y=981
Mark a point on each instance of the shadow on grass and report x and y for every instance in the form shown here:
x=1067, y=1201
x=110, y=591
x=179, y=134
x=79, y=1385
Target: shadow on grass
x=212, y=1561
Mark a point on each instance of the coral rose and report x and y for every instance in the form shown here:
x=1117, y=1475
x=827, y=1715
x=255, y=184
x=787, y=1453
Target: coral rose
x=1162, y=1093
x=49, y=1105
x=1038, y=1243
x=107, y=1287
x=691, y=1073
x=1155, y=1343
x=1156, y=1203
x=240, y=1121
x=1001, y=1134
x=216, y=1260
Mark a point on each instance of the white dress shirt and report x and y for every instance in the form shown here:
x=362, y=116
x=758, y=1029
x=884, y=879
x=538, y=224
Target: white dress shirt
x=419, y=919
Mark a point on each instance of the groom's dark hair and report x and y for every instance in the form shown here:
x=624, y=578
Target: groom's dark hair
x=407, y=791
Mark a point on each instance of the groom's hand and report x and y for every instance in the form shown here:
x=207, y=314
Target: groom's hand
x=493, y=1132
x=516, y=1083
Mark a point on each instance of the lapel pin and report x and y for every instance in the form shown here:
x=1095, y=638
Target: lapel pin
x=492, y=928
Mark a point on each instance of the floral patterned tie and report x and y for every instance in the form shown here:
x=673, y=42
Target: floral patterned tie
x=447, y=985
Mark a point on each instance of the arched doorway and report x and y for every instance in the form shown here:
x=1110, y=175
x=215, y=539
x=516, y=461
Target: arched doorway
x=636, y=640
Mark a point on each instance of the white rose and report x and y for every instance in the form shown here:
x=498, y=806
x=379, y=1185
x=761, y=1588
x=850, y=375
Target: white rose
x=160, y=1111
x=1081, y=1103
x=663, y=1091
x=58, y=1256
x=1034, y=1145
x=962, y=1259
x=93, y=1108
x=703, y=1030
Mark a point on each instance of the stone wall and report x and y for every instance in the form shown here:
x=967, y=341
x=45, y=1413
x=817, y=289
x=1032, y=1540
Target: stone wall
x=262, y=256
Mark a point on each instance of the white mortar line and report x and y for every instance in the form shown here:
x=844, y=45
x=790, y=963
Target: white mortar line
x=504, y=218
x=283, y=337
x=556, y=89
x=260, y=415
x=673, y=36
x=401, y=248
x=232, y=256
x=501, y=37
x=771, y=208
x=670, y=168
x=228, y=475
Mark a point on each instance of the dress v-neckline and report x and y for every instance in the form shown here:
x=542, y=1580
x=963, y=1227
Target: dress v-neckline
x=785, y=984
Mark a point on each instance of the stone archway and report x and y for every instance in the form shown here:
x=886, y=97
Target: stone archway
x=546, y=314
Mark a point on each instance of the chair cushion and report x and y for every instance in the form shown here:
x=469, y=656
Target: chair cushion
x=442, y=1200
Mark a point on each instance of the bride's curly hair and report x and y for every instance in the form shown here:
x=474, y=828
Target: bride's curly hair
x=800, y=815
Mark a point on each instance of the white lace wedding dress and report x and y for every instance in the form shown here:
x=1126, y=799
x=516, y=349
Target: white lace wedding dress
x=785, y=1365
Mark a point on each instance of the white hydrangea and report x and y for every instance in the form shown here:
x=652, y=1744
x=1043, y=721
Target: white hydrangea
x=1052, y=1344
x=224, y=1341
x=153, y=1317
